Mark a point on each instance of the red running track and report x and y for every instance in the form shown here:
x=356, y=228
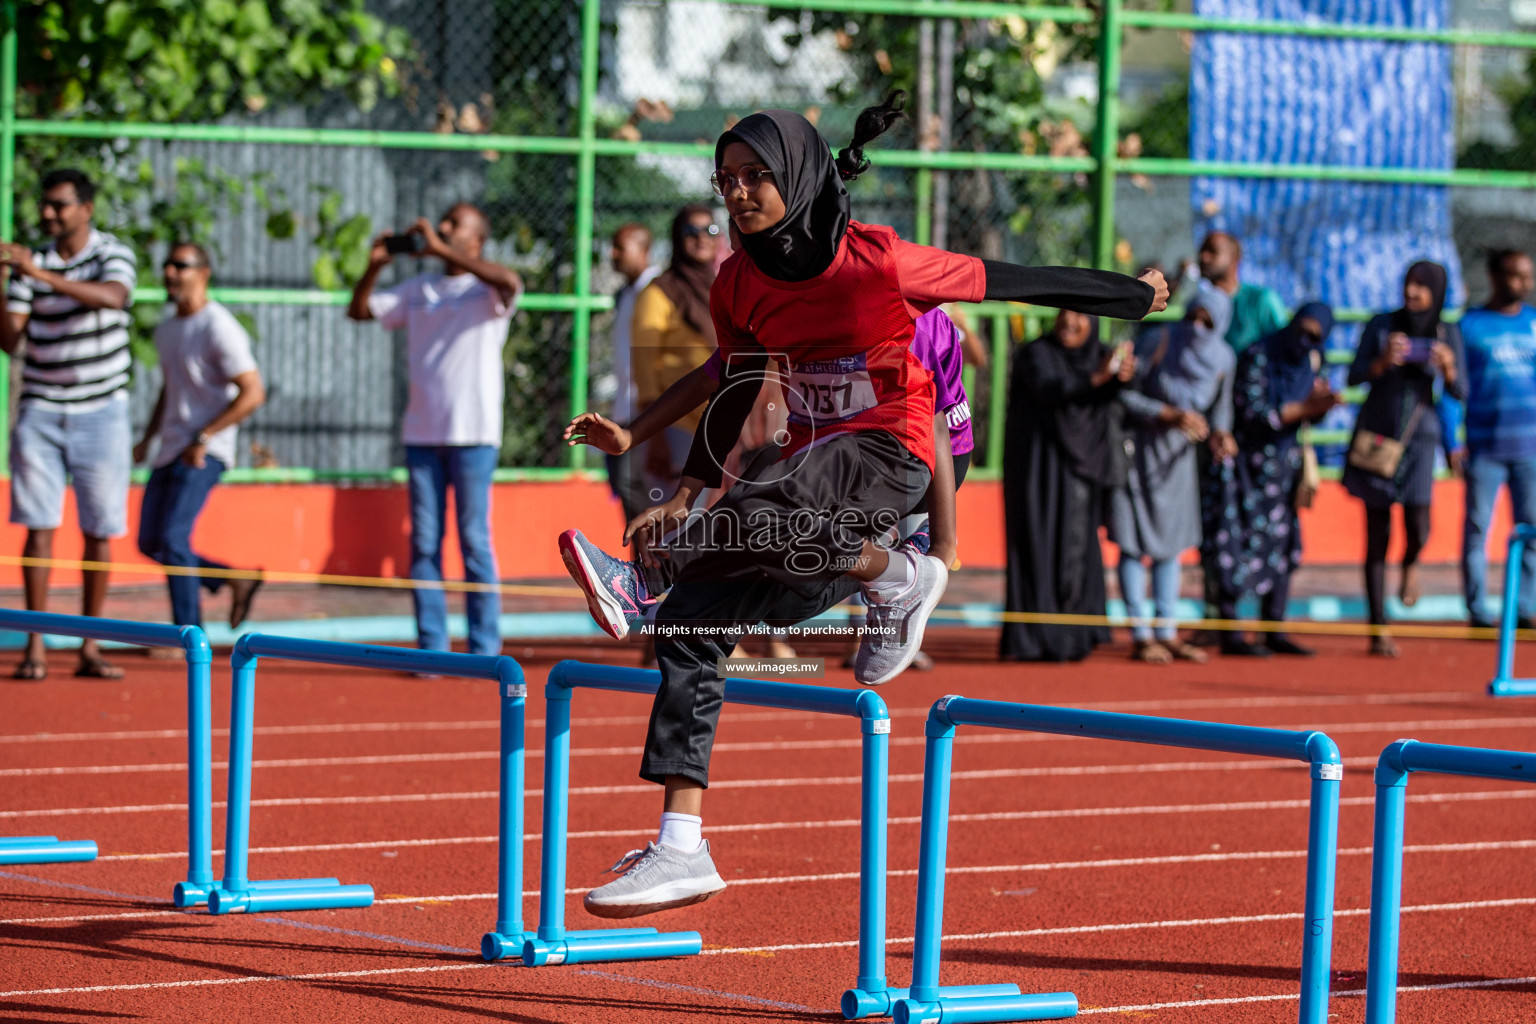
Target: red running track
x=1137, y=877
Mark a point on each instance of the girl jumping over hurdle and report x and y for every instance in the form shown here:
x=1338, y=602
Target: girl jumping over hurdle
x=836, y=303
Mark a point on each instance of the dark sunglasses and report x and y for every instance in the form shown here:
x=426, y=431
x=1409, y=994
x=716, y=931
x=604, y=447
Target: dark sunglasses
x=749, y=179
x=694, y=230
x=184, y=264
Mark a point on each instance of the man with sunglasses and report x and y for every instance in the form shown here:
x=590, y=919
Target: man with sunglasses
x=68, y=301
x=209, y=385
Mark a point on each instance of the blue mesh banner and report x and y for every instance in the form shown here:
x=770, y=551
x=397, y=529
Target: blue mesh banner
x=1298, y=100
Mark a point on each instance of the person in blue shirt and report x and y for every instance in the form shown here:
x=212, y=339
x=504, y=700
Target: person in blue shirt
x=1500, y=343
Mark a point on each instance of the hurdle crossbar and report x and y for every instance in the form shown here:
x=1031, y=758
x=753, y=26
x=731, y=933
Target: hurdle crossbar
x=1397, y=761
x=193, y=891
x=928, y=1002
x=237, y=893
x=553, y=944
x=1504, y=683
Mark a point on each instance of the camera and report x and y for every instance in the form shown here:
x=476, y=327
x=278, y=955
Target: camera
x=406, y=243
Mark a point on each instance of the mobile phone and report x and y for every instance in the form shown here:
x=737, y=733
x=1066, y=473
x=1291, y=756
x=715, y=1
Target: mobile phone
x=1419, y=349
x=406, y=243
x=1118, y=359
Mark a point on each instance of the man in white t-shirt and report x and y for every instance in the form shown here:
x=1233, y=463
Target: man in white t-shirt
x=209, y=385
x=455, y=327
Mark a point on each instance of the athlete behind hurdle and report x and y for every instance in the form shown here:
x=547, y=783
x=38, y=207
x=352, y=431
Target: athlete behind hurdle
x=836, y=302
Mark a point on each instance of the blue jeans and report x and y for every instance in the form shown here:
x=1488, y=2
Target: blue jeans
x=173, y=499
x=467, y=469
x=1165, y=596
x=1484, y=477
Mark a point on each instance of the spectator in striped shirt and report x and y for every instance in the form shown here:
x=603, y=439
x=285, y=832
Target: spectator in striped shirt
x=68, y=301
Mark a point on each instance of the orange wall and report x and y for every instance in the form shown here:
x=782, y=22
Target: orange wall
x=365, y=531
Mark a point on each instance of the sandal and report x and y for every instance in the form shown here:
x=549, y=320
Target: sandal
x=1186, y=651
x=33, y=670
x=97, y=668
x=1151, y=652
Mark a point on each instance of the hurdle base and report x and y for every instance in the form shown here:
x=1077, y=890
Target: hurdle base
x=192, y=894
x=986, y=1009
x=289, y=894
x=858, y=1003
x=45, y=850
x=1512, y=688
x=610, y=944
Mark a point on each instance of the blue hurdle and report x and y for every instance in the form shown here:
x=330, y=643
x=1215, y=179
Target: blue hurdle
x=553, y=944
x=1392, y=770
x=48, y=849
x=237, y=893
x=928, y=1002
x=1504, y=683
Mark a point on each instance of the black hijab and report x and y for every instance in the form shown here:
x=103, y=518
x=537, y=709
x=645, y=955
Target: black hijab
x=1081, y=422
x=1425, y=324
x=1290, y=355
x=816, y=208
x=686, y=282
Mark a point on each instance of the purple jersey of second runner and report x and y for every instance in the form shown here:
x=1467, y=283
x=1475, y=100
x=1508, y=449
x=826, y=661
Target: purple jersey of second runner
x=936, y=344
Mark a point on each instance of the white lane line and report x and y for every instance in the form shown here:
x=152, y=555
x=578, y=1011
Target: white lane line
x=1234, y=703
x=245, y=980
x=834, y=780
x=1098, y=929
x=842, y=876
x=778, y=826
x=1348, y=993
x=1085, y=929
x=970, y=738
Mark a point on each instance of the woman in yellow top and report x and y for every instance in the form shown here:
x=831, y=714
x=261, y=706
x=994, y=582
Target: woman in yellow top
x=672, y=334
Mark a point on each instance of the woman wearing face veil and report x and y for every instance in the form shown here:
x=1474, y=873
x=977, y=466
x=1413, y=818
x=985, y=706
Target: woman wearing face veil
x=1400, y=355
x=1058, y=465
x=1252, y=534
x=1183, y=393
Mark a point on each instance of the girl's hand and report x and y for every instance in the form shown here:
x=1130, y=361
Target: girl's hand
x=646, y=530
x=1443, y=358
x=1223, y=446
x=1194, y=426
x=598, y=431
x=1159, y=289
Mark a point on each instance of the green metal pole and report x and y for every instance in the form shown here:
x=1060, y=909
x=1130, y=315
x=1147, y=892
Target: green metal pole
x=923, y=197
x=1107, y=137
x=7, y=195
x=997, y=400
x=586, y=188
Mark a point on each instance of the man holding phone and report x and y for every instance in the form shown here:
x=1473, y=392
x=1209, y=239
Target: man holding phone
x=455, y=325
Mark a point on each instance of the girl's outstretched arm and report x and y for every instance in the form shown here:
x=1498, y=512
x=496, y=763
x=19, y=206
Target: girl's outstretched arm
x=686, y=394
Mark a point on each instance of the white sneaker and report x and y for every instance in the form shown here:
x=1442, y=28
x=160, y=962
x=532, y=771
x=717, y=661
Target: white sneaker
x=656, y=878
x=894, y=634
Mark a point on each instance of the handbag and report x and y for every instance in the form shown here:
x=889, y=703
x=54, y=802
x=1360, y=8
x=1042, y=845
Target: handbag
x=1379, y=454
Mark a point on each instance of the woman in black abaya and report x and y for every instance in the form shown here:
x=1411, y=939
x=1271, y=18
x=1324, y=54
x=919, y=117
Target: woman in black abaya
x=1058, y=464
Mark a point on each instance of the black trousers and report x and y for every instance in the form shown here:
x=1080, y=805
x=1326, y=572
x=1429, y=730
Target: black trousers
x=1378, y=533
x=775, y=546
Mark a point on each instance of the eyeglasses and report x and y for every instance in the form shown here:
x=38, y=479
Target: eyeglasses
x=695, y=230
x=57, y=204
x=748, y=180
x=184, y=264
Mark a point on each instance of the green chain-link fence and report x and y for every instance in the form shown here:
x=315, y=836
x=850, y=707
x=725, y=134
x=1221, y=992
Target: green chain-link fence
x=286, y=135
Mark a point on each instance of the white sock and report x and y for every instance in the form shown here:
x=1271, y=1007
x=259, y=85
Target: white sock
x=683, y=832
x=897, y=577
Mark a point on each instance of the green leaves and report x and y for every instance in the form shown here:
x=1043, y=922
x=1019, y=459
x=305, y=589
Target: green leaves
x=184, y=61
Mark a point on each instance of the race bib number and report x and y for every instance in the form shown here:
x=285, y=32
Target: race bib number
x=830, y=390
